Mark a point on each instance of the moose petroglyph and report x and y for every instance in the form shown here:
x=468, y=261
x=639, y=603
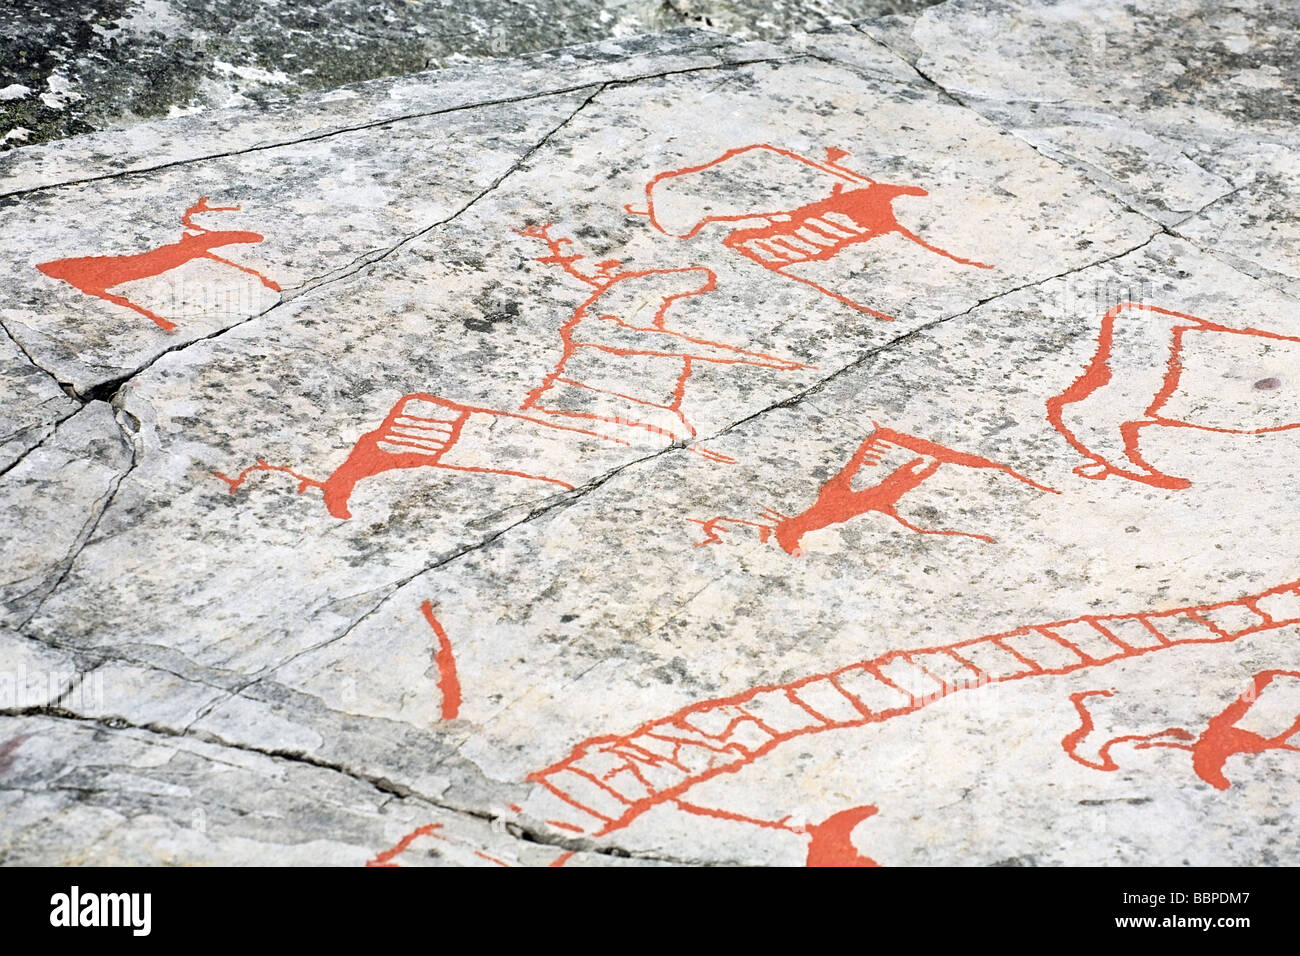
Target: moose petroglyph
x=810, y=210
x=904, y=462
x=96, y=275
x=621, y=378
x=1158, y=368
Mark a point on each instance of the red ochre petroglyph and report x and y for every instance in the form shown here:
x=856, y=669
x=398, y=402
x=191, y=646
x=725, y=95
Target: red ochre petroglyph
x=1121, y=436
x=606, y=782
x=386, y=857
x=1210, y=751
x=829, y=842
x=9, y=751
x=853, y=210
x=839, y=501
x=649, y=340
x=421, y=430
x=448, y=681
x=95, y=275
x=418, y=432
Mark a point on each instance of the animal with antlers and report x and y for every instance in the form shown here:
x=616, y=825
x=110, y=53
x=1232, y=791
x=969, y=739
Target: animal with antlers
x=621, y=378
x=907, y=462
x=95, y=275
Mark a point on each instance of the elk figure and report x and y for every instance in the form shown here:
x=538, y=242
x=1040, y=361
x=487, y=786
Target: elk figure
x=914, y=460
x=95, y=275
x=810, y=210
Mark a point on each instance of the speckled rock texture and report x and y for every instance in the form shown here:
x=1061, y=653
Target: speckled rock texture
x=876, y=446
x=81, y=65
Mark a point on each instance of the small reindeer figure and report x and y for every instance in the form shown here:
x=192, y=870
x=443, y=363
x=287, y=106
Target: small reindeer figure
x=838, y=501
x=95, y=275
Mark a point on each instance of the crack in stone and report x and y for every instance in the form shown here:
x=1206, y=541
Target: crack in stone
x=556, y=504
x=907, y=337
x=384, y=785
x=565, y=500
x=1232, y=263
x=53, y=427
x=88, y=529
x=63, y=386
x=371, y=258
x=1006, y=130
x=109, y=390
x=1213, y=202
x=379, y=124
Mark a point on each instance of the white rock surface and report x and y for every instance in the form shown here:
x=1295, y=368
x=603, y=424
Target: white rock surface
x=712, y=455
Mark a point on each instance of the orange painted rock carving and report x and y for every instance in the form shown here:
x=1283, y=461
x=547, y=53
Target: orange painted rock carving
x=914, y=461
x=606, y=782
x=828, y=209
x=1135, y=379
x=1221, y=739
x=622, y=374
x=96, y=275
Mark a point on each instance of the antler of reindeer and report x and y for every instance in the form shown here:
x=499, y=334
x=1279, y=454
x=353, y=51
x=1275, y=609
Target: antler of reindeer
x=566, y=260
x=303, y=481
x=187, y=219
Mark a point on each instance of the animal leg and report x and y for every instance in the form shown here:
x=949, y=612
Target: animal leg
x=270, y=284
x=911, y=527
x=908, y=234
x=162, y=323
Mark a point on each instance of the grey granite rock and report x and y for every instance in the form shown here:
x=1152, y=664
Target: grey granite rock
x=31, y=404
x=1186, y=111
x=55, y=497
x=86, y=65
x=138, y=797
x=711, y=452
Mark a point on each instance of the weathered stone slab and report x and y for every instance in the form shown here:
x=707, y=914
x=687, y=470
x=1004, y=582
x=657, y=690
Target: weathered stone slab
x=371, y=105
x=1186, y=110
x=760, y=462
x=893, y=606
x=31, y=403
x=139, y=798
x=94, y=321
x=32, y=674
x=55, y=497
x=194, y=249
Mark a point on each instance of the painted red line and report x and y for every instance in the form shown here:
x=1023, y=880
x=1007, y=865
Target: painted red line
x=448, y=681
x=385, y=858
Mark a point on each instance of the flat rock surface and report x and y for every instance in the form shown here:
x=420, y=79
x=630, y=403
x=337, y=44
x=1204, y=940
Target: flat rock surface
x=677, y=450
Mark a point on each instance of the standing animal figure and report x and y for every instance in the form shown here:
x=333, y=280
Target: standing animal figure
x=1158, y=368
x=807, y=210
x=1221, y=739
x=608, y=780
x=95, y=275
x=622, y=375
x=914, y=460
